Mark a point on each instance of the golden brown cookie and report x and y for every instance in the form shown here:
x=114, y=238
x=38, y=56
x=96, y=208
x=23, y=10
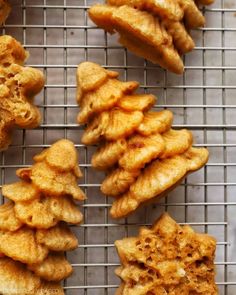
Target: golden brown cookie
x=33, y=225
x=18, y=87
x=141, y=28
x=142, y=155
x=155, y=30
x=56, y=171
x=168, y=259
x=44, y=196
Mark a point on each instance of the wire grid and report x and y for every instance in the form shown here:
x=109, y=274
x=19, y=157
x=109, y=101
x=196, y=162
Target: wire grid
x=59, y=35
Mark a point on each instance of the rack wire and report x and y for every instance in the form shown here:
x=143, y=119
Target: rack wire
x=59, y=35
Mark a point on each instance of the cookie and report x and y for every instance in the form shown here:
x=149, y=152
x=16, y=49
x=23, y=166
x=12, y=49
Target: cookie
x=18, y=87
x=167, y=258
x=155, y=30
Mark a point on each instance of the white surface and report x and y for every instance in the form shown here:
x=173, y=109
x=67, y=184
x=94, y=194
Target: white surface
x=59, y=36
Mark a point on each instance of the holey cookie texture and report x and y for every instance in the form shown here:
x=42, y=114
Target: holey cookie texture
x=34, y=230
x=143, y=156
x=18, y=86
x=167, y=259
x=154, y=29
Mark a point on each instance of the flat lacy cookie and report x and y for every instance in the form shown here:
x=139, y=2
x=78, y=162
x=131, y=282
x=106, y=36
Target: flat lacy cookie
x=155, y=30
x=5, y=9
x=18, y=87
x=167, y=259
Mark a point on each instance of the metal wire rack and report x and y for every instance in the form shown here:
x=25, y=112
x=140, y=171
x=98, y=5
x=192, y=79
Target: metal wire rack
x=59, y=35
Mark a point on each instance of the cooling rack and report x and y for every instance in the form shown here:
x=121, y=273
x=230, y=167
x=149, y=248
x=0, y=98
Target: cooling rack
x=59, y=35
